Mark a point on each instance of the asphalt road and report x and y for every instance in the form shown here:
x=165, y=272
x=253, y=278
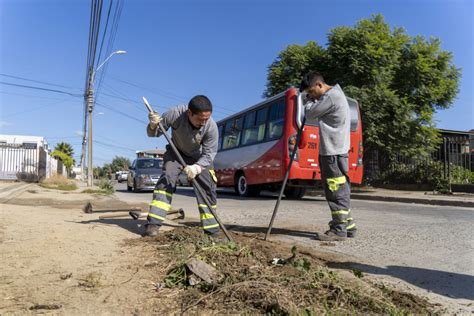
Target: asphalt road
x=430, y=247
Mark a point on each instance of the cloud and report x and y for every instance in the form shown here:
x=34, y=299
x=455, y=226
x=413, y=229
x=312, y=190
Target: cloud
x=78, y=133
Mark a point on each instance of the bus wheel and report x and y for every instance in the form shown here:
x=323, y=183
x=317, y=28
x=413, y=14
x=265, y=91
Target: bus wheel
x=242, y=187
x=295, y=193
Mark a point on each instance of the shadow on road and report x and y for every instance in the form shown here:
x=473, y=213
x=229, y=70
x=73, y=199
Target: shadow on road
x=131, y=225
x=453, y=285
x=128, y=224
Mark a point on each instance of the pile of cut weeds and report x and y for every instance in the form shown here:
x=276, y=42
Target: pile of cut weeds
x=261, y=277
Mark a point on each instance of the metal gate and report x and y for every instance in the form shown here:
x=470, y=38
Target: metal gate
x=452, y=161
x=20, y=162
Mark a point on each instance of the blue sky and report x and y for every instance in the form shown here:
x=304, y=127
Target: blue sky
x=177, y=49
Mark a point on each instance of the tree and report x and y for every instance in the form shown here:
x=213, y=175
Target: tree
x=65, y=148
x=398, y=80
x=119, y=163
x=103, y=172
x=66, y=159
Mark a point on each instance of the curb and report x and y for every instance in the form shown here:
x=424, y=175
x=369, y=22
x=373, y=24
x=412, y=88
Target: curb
x=356, y=196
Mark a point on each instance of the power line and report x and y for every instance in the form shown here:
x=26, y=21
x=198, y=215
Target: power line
x=39, y=88
x=114, y=146
x=37, y=108
x=109, y=139
x=62, y=137
x=121, y=113
x=113, y=90
x=29, y=95
x=38, y=81
x=110, y=44
x=162, y=94
x=169, y=95
x=105, y=28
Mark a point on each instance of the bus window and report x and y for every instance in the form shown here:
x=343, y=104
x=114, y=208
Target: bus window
x=232, y=131
x=254, y=128
x=219, y=144
x=354, y=114
x=275, y=120
x=250, y=134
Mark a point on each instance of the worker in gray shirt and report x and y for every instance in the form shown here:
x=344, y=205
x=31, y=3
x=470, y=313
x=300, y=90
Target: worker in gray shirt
x=329, y=106
x=195, y=135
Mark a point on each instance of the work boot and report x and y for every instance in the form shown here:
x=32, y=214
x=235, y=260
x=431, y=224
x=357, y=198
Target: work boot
x=151, y=230
x=351, y=233
x=331, y=235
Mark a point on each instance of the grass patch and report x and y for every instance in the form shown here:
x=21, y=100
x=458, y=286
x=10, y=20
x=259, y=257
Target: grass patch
x=59, y=182
x=106, y=186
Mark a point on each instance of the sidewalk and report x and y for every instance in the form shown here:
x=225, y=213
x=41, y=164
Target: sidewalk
x=420, y=197
x=9, y=189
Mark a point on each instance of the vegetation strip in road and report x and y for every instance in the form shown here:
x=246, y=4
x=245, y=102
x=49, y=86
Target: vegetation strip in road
x=261, y=277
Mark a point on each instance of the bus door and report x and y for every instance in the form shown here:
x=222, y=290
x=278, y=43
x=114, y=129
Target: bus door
x=356, y=168
x=308, y=148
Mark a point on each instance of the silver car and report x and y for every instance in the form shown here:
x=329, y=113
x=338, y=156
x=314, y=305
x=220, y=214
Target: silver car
x=144, y=174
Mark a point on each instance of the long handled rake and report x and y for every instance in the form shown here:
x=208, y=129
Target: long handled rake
x=285, y=180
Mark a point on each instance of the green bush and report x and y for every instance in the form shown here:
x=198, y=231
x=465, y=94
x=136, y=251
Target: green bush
x=107, y=186
x=429, y=173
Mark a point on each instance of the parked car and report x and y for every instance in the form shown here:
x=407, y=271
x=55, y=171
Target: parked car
x=144, y=174
x=122, y=176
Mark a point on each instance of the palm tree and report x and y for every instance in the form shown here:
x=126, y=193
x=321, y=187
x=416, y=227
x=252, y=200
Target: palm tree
x=65, y=148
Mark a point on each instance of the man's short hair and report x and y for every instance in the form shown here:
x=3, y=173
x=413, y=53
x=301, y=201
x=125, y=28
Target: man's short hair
x=310, y=79
x=200, y=103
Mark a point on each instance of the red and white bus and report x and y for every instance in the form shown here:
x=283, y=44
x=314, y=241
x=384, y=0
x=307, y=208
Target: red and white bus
x=255, y=147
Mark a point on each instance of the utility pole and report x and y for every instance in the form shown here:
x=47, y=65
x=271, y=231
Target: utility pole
x=90, y=107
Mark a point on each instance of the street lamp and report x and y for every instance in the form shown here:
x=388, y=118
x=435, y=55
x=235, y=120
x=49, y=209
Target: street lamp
x=90, y=105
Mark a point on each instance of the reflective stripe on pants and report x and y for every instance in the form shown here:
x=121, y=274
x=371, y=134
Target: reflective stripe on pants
x=208, y=185
x=336, y=183
x=163, y=193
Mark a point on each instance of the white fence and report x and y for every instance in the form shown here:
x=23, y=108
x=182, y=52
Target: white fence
x=27, y=162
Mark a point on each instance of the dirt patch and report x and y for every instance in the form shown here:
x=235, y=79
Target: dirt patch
x=260, y=277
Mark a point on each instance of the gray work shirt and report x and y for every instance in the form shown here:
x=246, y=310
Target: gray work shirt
x=197, y=143
x=332, y=111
